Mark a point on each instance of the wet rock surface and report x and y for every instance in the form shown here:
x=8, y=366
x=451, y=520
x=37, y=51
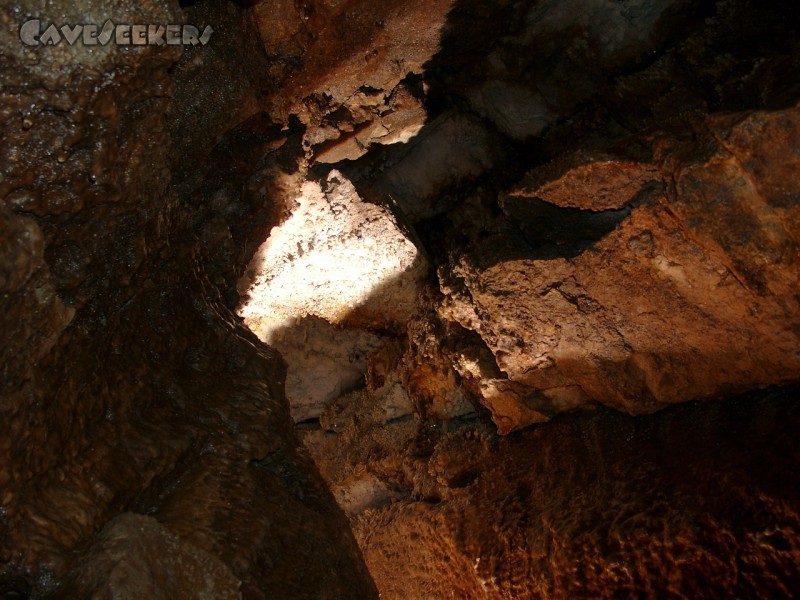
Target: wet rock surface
x=552, y=212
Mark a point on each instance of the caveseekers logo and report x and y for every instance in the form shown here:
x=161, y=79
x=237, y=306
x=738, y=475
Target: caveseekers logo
x=35, y=33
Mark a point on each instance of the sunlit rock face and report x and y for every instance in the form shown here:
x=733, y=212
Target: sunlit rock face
x=335, y=261
x=337, y=258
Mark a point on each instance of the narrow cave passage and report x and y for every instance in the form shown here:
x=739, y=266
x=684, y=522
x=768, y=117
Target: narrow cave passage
x=432, y=299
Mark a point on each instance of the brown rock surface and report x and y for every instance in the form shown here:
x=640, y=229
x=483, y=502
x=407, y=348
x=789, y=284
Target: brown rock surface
x=690, y=296
x=333, y=48
x=136, y=557
x=593, y=182
x=127, y=384
x=579, y=204
x=695, y=502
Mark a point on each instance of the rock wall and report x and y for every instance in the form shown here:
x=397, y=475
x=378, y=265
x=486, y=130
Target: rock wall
x=128, y=386
x=695, y=502
x=584, y=209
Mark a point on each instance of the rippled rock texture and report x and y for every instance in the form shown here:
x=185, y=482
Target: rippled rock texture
x=696, y=502
x=562, y=211
x=127, y=384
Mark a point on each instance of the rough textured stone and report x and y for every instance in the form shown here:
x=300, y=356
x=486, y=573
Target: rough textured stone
x=134, y=557
x=127, y=384
x=656, y=311
x=695, y=502
x=236, y=61
x=588, y=182
x=336, y=258
x=332, y=49
x=453, y=148
x=607, y=193
x=322, y=363
x=369, y=118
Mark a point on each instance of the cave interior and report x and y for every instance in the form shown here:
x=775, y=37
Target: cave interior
x=411, y=300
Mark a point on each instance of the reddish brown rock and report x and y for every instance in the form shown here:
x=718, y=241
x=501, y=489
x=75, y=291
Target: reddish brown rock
x=589, y=182
x=334, y=48
x=127, y=384
x=692, y=502
x=649, y=258
x=692, y=296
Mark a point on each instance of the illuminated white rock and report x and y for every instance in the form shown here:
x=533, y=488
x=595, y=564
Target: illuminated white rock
x=323, y=363
x=337, y=258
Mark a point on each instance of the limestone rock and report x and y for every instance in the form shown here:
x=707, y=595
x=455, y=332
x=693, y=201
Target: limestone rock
x=348, y=133
x=648, y=257
x=337, y=258
x=601, y=505
x=323, y=363
x=453, y=148
x=588, y=182
x=332, y=48
x=127, y=385
x=517, y=111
